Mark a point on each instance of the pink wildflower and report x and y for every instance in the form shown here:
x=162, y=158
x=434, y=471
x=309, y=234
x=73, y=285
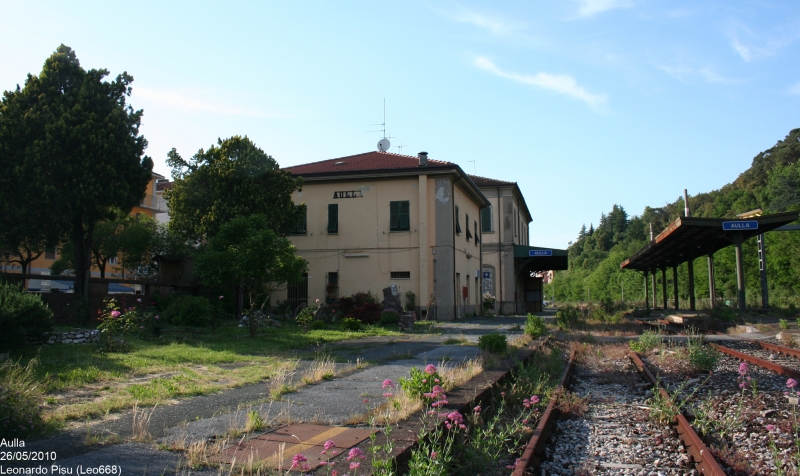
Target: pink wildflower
x=743, y=369
x=477, y=410
x=388, y=394
x=156, y=316
x=791, y=383
x=526, y=403
x=430, y=369
x=434, y=454
x=328, y=445
x=770, y=427
x=222, y=297
x=534, y=400
x=115, y=313
x=334, y=473
x=502, y=394
x=388, y=383
x=354, y=465
x=455, y=417
x=298, y=459
x=365, y=401
x=354, y=454
x=424, y=380
x=436, y=380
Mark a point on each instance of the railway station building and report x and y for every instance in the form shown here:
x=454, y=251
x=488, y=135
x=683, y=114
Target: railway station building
x=377, y=219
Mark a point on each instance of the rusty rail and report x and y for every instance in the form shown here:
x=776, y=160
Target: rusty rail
x=703, y=458
x=760, y=362
x=779, y=348
x=536, y=444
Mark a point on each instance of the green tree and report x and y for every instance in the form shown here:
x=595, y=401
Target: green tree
x=80, y=148
x=231, y=179
x=245, y=251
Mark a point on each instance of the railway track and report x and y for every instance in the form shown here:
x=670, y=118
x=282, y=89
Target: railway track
x=605, y=426
x=740, y=409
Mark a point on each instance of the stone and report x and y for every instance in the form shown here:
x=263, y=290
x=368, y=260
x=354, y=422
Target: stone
x=391, y=299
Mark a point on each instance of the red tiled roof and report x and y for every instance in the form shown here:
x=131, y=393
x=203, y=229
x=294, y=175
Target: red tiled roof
x=163, y=186
x=485, y=182
x=362, y=162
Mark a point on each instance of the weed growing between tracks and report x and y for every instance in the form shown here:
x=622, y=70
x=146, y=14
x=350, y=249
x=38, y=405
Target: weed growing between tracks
x=493, y=436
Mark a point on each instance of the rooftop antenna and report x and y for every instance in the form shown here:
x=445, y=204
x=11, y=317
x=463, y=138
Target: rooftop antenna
x=473, y=166
x=383, y=144
x=401, y=146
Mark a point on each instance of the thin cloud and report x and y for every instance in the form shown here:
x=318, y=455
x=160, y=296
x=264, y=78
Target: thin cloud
x=750, y=45
x=189, y=103
x=686, y=74
x=493, y=24
x=589, y=8
x=562, y=84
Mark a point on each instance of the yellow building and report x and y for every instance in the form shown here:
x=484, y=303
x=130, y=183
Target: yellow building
x=377, y=219
x=152, y=205
x=512, y=269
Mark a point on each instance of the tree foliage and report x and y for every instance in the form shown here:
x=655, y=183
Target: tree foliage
x=772, y=183
x=231, y=179
x=247, y=252
x=77, y=142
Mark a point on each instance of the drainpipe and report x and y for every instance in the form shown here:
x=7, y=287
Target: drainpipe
x=500, y=247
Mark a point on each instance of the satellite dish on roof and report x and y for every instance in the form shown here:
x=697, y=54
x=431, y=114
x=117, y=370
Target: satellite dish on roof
x=383, y=144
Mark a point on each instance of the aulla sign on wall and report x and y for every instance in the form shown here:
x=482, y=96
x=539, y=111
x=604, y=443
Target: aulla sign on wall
x=348, y=194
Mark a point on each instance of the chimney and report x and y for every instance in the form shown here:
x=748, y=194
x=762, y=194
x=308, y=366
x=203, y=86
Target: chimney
x=423, y=159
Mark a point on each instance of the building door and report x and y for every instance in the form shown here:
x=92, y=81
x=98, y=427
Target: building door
x=297, y=294
x=533, y=294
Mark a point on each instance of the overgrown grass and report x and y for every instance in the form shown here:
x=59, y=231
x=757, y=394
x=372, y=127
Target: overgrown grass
x=648, y=341
x=82, y=381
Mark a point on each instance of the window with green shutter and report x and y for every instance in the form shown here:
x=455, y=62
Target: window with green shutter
x=477, y=238
x=469, y=234
x=400, y=219
x=301, y=224
x=333, y=218
x=458, y=222
x=486, y=219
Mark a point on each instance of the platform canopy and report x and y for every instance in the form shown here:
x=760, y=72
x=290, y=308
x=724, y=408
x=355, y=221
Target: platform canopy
x=688, y=238
x=535, y=258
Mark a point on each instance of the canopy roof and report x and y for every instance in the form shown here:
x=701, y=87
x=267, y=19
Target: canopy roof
x=688, y=238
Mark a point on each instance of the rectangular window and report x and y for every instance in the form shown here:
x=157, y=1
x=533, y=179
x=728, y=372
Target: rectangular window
x=301, y=224
x=458, y=222
x=486, y=219
x=469, y=234
x=401, y=274
x=399, y=216
x=50, y=254
x=477, y=238
x=333, y=218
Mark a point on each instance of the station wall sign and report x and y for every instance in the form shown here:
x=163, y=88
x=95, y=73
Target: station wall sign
x=540, y=252
x=740, y=225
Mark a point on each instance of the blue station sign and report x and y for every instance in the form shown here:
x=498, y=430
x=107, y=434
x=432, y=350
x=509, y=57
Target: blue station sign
x=740, y=225
x=540, y=252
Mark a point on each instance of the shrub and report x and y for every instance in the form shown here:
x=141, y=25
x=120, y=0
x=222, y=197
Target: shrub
x=305, y=317
x=20, y=400
x=317, y=325
x=488, y=302
x=411, y=301
x=350, y=324
x=420, y=382
x=494, y=343
x=23, y=316
x=389, y=318
x=701, y=357
x=783, y=323
x=187, y=310
x=363, y=307
x=723, y=313
x=647, y=341
x=535, y=326
x=567, y=317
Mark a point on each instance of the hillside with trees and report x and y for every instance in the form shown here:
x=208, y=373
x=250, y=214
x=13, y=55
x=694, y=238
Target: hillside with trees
x=772, y=183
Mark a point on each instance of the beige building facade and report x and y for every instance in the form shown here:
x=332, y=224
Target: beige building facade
x=379, y=219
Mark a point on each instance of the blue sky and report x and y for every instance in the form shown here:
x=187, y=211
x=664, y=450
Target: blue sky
x=584, y=103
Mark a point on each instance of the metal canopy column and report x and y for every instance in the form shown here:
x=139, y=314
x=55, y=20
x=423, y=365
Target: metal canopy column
x=675, y=285
x=762, y=267
x=712, y=290
x=646, y=293
x=653, y=279
x=690, y=269
x=664, y=286
x=737, y=243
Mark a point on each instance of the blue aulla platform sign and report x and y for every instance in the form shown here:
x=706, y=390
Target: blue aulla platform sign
x=540, y=252
x=740, y=225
